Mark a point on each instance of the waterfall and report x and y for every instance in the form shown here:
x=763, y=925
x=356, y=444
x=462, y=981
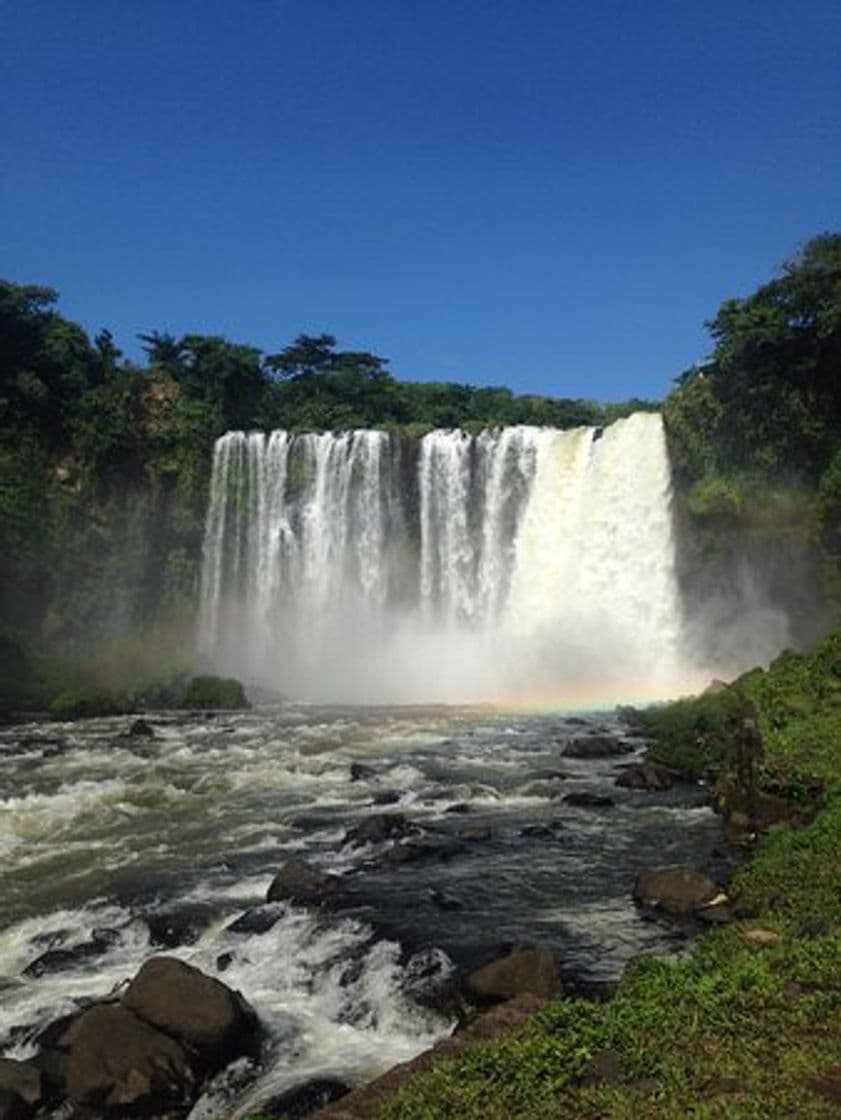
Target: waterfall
x=358, y=565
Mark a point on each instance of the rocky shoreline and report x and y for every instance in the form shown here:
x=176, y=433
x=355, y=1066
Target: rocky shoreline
x=151, y=1049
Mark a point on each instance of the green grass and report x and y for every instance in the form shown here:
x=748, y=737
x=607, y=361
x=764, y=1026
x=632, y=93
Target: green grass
x=732, y=1031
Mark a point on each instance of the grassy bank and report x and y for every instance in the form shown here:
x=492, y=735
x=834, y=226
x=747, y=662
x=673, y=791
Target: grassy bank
x=749, y=1024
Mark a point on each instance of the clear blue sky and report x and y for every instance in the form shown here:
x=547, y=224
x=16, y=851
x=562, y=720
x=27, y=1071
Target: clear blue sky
x=549, y=194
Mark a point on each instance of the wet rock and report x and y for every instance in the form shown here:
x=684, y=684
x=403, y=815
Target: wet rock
x=645, y=775
x=258, y=919
x=116, y=1060
x=715, y=915
x=183, y=926
x=584, y=800
x=140, y=729
x=21, y=1078
x=604, y=1068
x=421, y=848
x=474, y=833
x=386, y=797
x=298, y=882
x=303, y=1099
x=524, y=970
x=224, y=961
x=359, y=772
x=59, y=960
x=596, y=746
x=459, y=807
x=548, y=831
x=375, y=829
x=677, y=890
x=198, y=1010
x=12, y=1107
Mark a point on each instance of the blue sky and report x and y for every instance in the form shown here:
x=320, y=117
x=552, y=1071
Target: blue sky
x=549, y=194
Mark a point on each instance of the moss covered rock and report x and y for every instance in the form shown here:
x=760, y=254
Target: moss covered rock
x=215, y=692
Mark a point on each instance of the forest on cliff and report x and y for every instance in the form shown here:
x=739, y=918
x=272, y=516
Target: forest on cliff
x=105, y=463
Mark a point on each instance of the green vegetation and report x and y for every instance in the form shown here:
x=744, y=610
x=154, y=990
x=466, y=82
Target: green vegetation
x=105, y=466
x=214, y=692
x=749, y=1025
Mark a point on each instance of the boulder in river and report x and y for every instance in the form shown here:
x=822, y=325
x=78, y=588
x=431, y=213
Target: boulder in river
x=197, y=1010
x=140, y=729
x=23, y=1079
x=376, y=828
x=523, y=970
x=677, y=890
x=12, y=1107
x=596, y=746
x=304, y=1099
x=117, y=1061
x=298, y=882
x=583, y=800
x=645, y=775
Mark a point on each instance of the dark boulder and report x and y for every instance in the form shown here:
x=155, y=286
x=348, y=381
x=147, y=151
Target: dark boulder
x=298, y=882
x=59, y=960
x=377, y=828
x=258, y=919
x=645, y=775
x=596, y=746
x=22, y=1079
x=582, y=800
x=359, y=772
x=386, y=797
x=182, y=926
x=140, y=729
x=198, y=1010
x=677, y=890
x=304, y=1099
x=12, y=1107
x=423, y=848
x=458, y=807
x=548, y=831
x=118, y=1062
x=523, y=970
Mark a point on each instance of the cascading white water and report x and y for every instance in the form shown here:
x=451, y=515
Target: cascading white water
x=519, y=561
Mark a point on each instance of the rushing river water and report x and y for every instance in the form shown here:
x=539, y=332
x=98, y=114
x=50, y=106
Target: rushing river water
x=112, y=846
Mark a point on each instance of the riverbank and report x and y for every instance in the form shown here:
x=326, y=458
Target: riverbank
x=746, y=1025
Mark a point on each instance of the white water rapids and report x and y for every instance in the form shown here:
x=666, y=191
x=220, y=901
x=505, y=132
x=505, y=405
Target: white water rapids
x=516, y=564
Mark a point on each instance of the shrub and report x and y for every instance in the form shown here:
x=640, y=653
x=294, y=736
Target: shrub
x=215, y=692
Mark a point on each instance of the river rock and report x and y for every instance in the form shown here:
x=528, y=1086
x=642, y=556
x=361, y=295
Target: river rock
x=195, y=1009
x=583, y=800
x=140, y=729
x=645, y=775
x=21, y=1078
x=303, y=1099
x=423, y=847
x=375, y=829
x=13, y=1107
x=298, y=882
x=596, y=746
x=677, y=890
x=258, y=919
x=182, y=926
x=524, y=970
x=359, y=772
x=58, y=960
x=116, y=1060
